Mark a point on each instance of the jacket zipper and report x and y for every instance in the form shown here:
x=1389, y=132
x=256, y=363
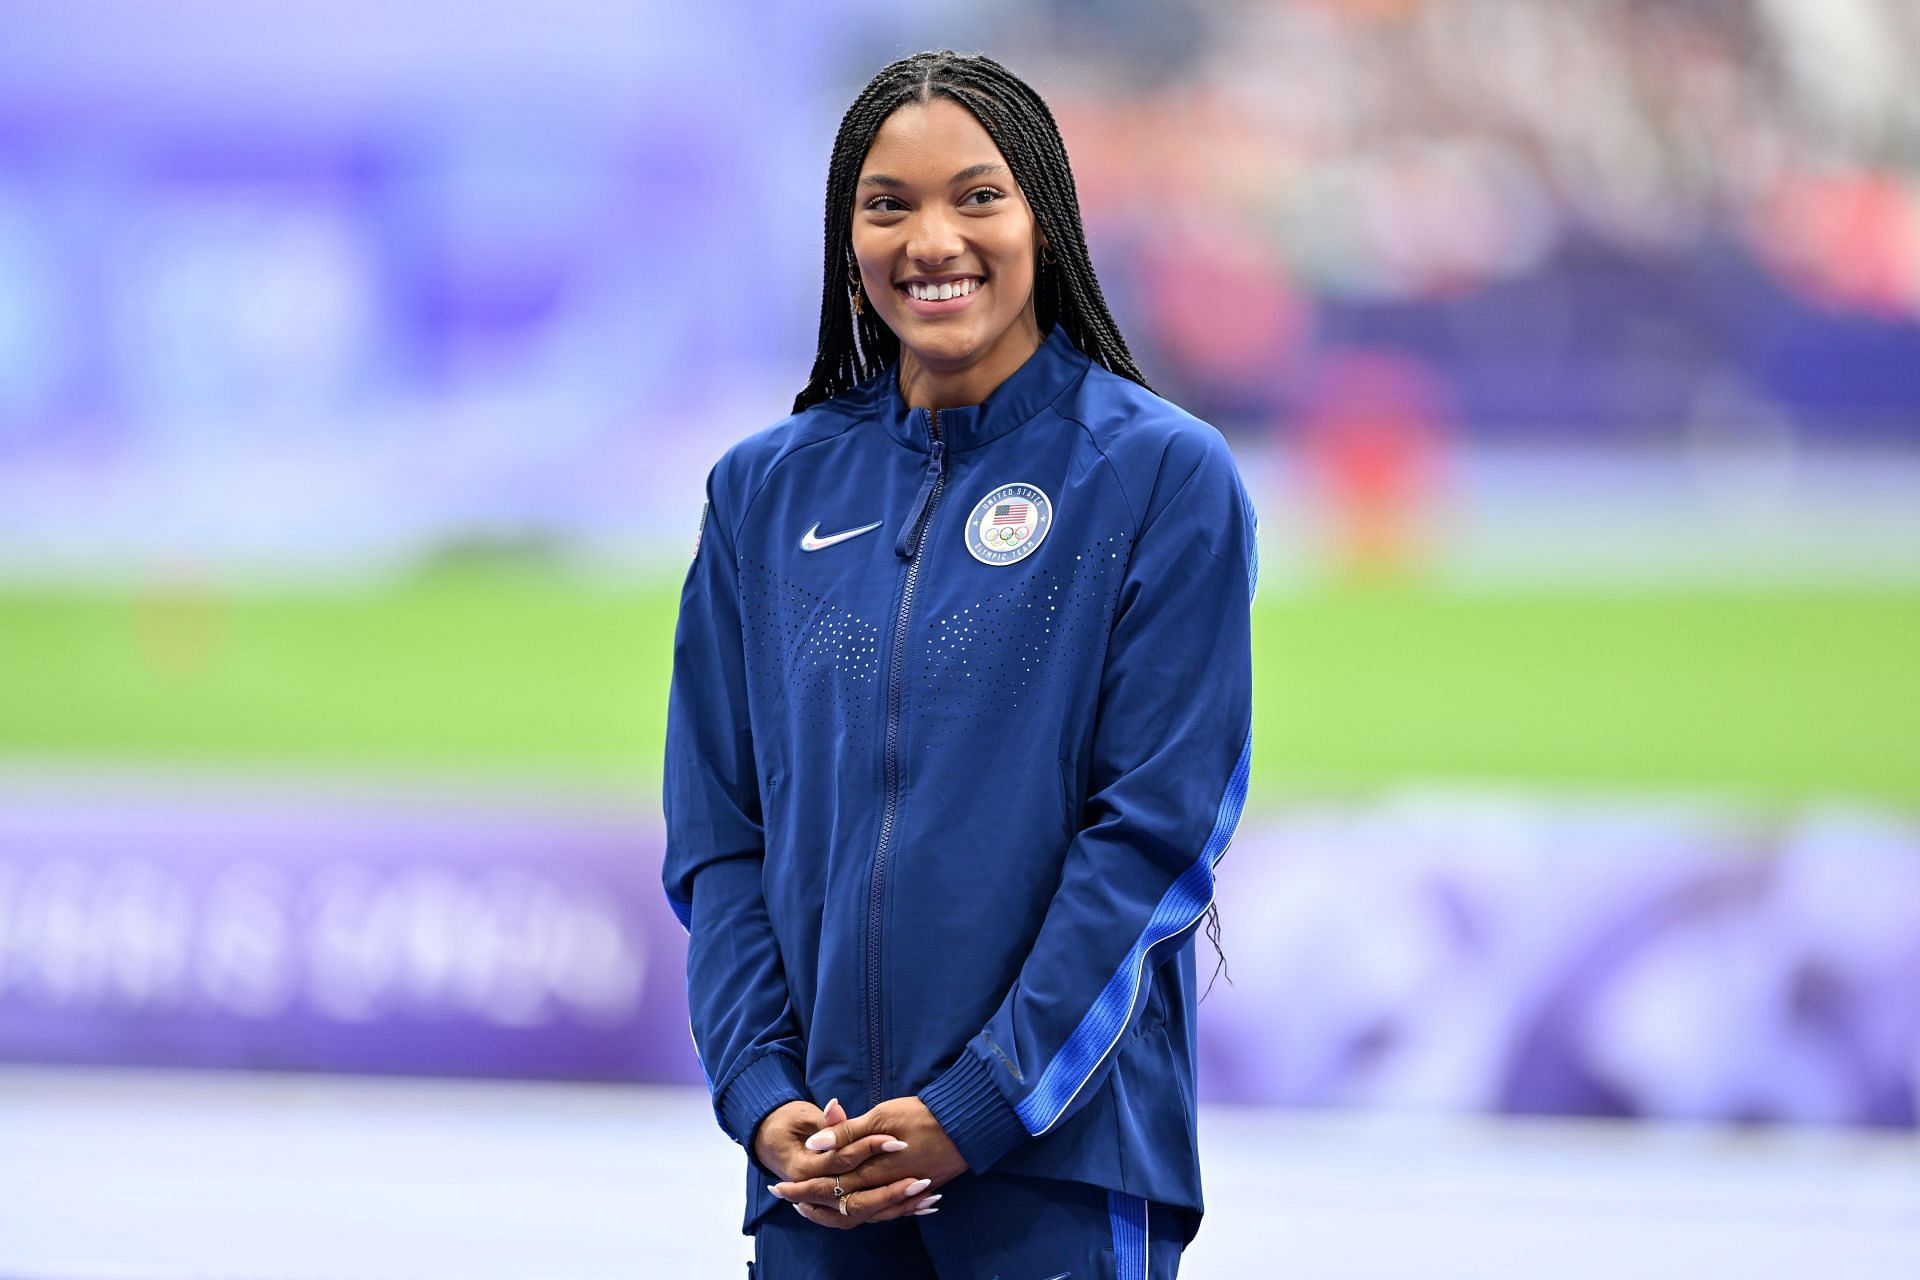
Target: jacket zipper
x=909, y=546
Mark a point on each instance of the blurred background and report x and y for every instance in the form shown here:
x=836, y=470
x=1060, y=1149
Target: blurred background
x=361, y=364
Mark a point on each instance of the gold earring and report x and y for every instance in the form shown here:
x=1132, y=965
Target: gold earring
x=1046, y=255
x=853, y=285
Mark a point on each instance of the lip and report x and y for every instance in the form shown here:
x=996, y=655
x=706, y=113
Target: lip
x=944, y=307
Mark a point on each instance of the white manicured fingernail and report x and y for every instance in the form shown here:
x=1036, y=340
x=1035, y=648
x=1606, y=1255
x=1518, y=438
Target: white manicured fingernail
x=821, y=1141
x=921, y=1213
x=928, y=1203
x=830, y=1102
x=893, y=1144
x=802, y=1212
x=919, y=1186
x=775, y=1194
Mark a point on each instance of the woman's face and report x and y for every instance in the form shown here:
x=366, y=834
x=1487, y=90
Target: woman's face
x=936, y=205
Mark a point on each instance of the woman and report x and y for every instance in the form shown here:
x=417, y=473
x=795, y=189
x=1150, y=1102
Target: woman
x=959, y=726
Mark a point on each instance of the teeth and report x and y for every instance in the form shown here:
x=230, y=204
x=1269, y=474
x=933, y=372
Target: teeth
x=941, y=292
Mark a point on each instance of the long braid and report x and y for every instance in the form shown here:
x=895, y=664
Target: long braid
x=853, y=348
x=1066, y=292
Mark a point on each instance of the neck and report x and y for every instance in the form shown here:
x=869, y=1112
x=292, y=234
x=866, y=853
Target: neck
x=926, y=385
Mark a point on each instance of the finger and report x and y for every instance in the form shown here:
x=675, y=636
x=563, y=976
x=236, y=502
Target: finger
x=810, y=1168
x=808, y=1191
x=834, y=1112
x=814, y=1190
x=826, y=1217
x=820, y=1190
x=858, y=1152
x=837, y=1135
x=895, y=1200
x=912, y=1205
x=834, y=1134
x=866, y=1204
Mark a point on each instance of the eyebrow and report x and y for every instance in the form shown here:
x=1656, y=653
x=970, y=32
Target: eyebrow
x=971, y=171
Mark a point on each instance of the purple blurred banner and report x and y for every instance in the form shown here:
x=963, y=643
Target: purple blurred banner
x=317, y=932
x=1436, y=950
x=1581, y=957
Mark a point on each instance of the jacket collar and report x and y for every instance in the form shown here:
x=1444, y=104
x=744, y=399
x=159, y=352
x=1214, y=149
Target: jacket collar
x=1053, y=367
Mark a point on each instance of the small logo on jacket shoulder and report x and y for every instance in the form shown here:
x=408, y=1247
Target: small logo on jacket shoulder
x=810, y=541
x=1009, y=524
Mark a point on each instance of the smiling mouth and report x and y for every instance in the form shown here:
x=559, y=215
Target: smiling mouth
x=940, y=292
x=941, y=298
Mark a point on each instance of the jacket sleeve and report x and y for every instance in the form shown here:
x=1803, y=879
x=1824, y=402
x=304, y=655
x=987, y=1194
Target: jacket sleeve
x=1169, y=767
x=744, y=1027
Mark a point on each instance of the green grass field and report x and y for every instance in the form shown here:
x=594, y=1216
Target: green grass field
x=1777, y=697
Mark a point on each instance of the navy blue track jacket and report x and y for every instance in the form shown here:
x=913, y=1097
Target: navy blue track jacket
x=960, y=723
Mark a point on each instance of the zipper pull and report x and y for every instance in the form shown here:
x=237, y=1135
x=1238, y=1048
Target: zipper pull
x=908, y=543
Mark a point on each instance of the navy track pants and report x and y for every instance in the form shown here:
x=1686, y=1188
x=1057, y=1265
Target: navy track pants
x=993, y=1226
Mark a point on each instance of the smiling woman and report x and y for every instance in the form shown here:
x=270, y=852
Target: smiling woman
x=947, y=257
x=942, y=163
x=943, y=806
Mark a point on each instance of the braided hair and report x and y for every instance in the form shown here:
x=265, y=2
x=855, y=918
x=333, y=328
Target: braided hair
x=854, y=348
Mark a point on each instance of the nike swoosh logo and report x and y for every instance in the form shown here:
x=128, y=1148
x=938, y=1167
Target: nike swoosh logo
x=808, y=542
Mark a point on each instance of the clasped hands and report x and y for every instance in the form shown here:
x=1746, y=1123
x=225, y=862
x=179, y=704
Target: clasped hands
x=887, y=1160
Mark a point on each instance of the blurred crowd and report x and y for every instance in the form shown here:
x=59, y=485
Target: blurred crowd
x=531, y=269
x=1590, y=213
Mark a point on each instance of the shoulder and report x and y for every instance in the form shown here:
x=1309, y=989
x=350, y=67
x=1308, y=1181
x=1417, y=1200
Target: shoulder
x=746, y=465
x=1155, y=447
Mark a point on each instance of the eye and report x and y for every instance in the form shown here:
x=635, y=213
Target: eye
x=875, y=203
x=993, y=196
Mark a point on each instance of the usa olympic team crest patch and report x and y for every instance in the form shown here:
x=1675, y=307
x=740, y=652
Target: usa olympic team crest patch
x=1009, y=524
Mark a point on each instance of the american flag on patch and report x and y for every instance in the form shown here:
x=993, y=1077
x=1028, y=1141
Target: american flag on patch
x=1010, y=513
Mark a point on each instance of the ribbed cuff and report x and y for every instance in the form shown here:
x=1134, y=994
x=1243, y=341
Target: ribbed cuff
x=763, y=1084
x=982, y=1123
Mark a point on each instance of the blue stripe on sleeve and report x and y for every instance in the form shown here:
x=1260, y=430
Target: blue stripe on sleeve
x=1183, y=903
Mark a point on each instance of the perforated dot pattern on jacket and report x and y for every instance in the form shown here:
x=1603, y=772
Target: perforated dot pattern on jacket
x=990, y=657
x=823, y=659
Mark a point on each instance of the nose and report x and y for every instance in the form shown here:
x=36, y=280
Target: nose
x=935, y=237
